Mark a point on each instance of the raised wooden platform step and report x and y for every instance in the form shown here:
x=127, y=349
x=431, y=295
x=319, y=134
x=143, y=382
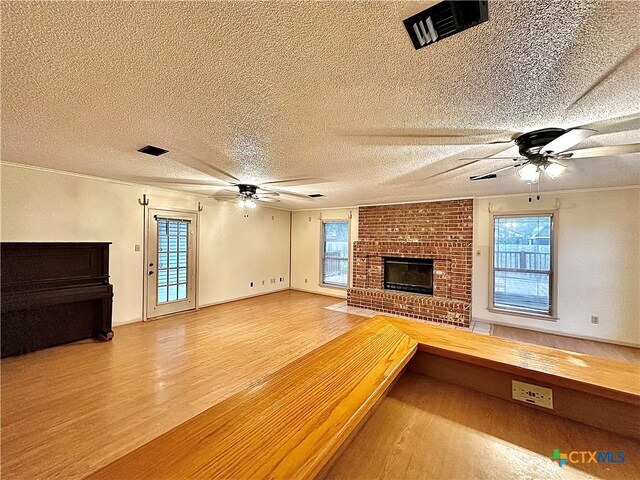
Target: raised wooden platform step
x=290, y=424
x=599, y=376
x=286, y=425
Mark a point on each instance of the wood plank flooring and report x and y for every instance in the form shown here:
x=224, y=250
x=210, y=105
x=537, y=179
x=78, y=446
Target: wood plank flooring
x=426, y=428
x=590, y=347
x=288, y=425
x=70, y=410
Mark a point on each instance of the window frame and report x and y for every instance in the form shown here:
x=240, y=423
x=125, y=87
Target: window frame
x=553, y=271
x=321, y=282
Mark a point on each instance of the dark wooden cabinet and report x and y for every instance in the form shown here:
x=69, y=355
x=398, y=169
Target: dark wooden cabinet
x=53, y=293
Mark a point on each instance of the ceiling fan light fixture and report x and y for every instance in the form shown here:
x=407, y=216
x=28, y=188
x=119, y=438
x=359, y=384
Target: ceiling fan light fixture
x=250, y=203
x=529, y=173
x=242, y=203
x=554, y=170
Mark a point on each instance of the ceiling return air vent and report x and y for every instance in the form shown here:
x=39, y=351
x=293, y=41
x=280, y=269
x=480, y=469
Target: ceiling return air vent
x=445, y=19
x=151, y=150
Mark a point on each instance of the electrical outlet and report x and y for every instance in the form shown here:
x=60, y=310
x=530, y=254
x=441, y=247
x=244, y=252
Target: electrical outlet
x=137, y=248
x=532, y=394
x=263, y=282
x=306, y=280
x=251, y=285
x=282, y=279
x=478, y=252
x=595, y=320
x=273, y=280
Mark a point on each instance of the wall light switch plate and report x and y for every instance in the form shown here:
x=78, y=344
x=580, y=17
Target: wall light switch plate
x=532, y=394
x=137, y=247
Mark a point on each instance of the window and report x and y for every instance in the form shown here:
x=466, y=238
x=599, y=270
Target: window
x=335, y=253
x=522, y=264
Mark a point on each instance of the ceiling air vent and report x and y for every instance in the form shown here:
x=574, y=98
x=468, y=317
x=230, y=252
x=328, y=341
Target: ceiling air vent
x=151, y=150
x=445, y=19
x=316, y=195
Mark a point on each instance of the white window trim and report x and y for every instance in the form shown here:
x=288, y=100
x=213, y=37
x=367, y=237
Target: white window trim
x=320, y=281
x=553, y=289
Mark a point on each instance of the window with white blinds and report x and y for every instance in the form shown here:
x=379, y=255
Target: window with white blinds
x=522, y=267
x=335, y=253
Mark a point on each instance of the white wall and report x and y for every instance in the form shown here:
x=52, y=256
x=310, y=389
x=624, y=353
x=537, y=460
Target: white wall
x=50, y=206
x=306, y=227
x=598, y=234
x=598, y=246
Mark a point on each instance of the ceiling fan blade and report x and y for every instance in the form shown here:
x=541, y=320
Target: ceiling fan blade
x=488, y=176
x=191, y=161
x=515, y=159
x=429, y=136
x=567, y=140
x=292, y=194
x=294, y=181
x=222, y=198
x=495, y=173
x=452, y=169
x=186, y=184
x=615, y=125
x=608, y=74
x=267, y=200
x=602, y=151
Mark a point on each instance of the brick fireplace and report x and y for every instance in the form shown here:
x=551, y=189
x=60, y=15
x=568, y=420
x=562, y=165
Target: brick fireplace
x=438, y=231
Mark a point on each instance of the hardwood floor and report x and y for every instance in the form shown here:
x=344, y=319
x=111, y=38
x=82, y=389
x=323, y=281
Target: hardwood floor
x=426, y=428
x=69, y=410
x=285, y=426
x=590, y=347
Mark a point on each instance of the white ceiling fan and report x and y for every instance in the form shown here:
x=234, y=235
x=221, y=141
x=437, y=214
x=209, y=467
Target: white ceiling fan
x=539, y=151
x=544, y=150
x=248, y=195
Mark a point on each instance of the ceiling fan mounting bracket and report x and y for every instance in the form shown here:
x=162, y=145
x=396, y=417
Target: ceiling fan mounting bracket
x=246, y=189
x=530, y=143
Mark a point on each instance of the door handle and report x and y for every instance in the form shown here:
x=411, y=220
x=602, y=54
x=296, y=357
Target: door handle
x=151, y=272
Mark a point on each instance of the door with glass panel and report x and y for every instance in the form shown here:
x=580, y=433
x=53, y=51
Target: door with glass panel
x=171, y=267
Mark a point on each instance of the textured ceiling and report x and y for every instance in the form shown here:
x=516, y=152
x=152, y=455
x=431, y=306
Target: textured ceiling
x=265, y=91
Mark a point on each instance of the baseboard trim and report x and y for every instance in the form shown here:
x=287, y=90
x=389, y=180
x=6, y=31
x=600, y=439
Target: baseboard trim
x=244, y=297
x=335, y=295
x=561, y=334
x=128, y=322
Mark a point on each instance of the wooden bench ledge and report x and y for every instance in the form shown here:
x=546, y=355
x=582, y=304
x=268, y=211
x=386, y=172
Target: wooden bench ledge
x=291, y=423
x=286, y=425
x=599, y=376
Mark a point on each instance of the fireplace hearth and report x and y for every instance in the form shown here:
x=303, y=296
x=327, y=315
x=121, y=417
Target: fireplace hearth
x=408, y=274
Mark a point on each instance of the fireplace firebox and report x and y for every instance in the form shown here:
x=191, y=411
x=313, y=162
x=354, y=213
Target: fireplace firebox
x=408, y=274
